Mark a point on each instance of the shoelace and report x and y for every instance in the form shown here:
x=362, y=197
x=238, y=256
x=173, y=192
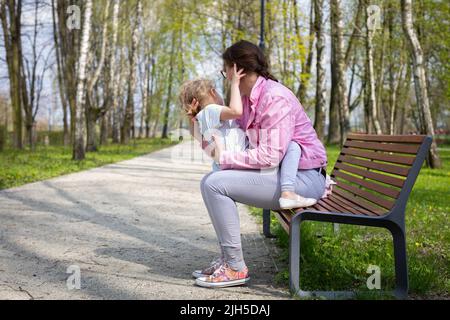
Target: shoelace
x=220, y=270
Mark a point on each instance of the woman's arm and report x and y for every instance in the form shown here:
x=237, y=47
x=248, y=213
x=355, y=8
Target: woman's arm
x=235, y=110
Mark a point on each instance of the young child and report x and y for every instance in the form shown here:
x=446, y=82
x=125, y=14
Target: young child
x=216, y=122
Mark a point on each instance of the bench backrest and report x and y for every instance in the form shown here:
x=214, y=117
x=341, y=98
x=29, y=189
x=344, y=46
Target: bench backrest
x=377, y=172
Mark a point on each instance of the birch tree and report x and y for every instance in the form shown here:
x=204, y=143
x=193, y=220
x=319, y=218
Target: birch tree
x=114, y=75
x=373, y=109
x=78, y=147
x=420, y=82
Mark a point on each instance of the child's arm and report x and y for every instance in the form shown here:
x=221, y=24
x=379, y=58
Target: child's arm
x=234, y=111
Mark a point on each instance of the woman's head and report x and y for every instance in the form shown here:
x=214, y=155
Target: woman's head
x=202, y=90
x=249, y=57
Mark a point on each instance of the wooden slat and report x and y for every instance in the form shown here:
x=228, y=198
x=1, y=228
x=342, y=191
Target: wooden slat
x=392, y=147
x=337, y=206
x=316, y=207
x=399, y=159
x=319, y=207
x=327, y=206
x=387, y=138
x=358, y=201
x=283, y=223
x=389, y=168
x=388, y=204
x=368, y=184
x=337, y=197
x=393, y=181
x=351, y=207
x=348, y=208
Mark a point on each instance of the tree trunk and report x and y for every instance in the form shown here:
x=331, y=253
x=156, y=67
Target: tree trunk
x=420, y=81
x=104, y=129
x=67, y=44
x=165, y=130
x=113, y=77
x=321, y=90
x=306, y=65
x=78, y=147
x=333, y=127
x=338, y=38
x=117, y=102
x=128, y=123
x=11, y=11
x=60, y=78
x=91, y=119
x=371, y=76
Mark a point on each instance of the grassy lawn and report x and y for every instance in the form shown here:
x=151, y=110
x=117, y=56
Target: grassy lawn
x=339, y=261
x=21, y=167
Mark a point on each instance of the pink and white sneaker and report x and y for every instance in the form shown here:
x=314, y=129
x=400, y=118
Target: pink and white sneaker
x=224, y=277
x=209, y=270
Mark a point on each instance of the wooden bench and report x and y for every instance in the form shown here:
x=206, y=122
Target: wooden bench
x=375, y=175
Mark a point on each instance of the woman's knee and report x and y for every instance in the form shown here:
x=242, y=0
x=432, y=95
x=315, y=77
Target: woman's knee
x=210, y=182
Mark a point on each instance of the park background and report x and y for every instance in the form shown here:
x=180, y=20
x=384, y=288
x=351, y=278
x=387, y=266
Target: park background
x=86, y=83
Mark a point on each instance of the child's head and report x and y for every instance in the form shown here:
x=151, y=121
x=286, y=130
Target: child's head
x=203, y=91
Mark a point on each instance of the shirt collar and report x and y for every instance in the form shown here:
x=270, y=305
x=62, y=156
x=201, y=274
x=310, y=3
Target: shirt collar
x=256, y=90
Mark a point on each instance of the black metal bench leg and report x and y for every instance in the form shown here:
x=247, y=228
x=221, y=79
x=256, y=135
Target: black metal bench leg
x=294, y=255
x=401, y=266
x=266, y=224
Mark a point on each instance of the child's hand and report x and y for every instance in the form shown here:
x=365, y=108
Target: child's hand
x=237, y=75
x=193, y=106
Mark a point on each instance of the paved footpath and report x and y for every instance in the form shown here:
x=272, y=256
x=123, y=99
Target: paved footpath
x=135, y=229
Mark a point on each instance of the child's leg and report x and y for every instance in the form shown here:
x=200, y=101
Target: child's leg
x=289, y=167
x=288, y=176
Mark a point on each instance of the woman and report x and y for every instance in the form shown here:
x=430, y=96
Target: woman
x=272, y=118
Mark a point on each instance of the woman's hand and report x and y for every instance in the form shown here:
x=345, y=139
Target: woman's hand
x=237, y=75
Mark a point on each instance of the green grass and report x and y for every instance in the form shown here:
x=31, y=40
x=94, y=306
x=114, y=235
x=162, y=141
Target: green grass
x=21, y=167
x=339, y=261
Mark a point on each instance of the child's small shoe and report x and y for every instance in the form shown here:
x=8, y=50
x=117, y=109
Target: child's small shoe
x=209, y=270
x=224, y=277
x=299, y=202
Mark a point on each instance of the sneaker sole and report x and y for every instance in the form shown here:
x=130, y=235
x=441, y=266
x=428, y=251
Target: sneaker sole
x=222, y=284
x=198, y=274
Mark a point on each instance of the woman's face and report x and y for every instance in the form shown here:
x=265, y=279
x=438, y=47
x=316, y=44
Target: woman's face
x=228, y=71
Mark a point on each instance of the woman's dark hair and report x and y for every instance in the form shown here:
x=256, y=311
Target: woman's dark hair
x=249, y=57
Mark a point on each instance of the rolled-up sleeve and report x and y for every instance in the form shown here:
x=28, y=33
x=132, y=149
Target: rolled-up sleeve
x=275, y=132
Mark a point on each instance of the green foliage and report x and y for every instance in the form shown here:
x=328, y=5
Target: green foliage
x=338, y=261
x=21, y=167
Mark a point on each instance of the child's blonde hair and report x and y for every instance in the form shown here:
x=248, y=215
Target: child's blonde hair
x=194, y=89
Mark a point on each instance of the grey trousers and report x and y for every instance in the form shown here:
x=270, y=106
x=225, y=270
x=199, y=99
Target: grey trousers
x=222, y=189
